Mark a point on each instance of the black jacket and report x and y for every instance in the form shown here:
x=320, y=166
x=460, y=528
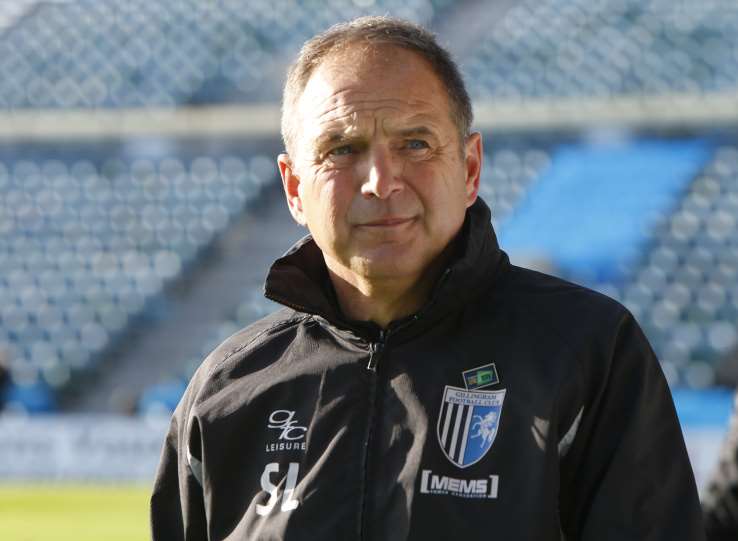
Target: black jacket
x=720, y=504
x=513, y=406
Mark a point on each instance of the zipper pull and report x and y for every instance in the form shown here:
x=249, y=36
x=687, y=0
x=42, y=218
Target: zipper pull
x=375, y=350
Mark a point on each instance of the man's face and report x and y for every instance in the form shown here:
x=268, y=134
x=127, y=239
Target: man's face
x=378, y=174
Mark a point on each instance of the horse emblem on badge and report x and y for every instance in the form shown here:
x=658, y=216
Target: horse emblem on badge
x=468, y=423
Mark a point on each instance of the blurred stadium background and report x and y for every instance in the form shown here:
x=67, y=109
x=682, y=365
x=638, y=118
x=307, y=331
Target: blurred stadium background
x=140, y=204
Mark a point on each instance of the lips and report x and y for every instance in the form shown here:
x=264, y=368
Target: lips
x=388, y=222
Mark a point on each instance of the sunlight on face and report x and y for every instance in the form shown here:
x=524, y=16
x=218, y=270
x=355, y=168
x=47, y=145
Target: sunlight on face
x=382, y=186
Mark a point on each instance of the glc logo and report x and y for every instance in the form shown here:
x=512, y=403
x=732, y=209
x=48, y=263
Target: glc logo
x=284, y=420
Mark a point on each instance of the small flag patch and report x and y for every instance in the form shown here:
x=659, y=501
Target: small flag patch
x=482, y=376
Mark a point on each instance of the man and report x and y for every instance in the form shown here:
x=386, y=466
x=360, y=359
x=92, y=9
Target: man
x=417, y=385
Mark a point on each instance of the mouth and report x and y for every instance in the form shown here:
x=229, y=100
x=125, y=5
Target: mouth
x=388, y=222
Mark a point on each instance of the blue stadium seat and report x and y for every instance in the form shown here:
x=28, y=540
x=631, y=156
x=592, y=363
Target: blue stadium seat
x=620, y=192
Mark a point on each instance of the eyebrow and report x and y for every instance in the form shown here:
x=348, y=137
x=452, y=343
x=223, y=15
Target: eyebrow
x=331, y=138
x=334, y=137
x=415, y=130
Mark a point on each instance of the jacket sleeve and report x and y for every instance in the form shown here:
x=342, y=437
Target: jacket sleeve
x=721, y=499
x=177, y=506
x=626, y=475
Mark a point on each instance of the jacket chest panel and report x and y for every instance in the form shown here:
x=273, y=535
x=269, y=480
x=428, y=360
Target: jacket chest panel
x=306, y=436
x=465, y=430
x=294, y=447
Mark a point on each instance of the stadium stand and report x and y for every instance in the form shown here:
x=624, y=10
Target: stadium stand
x=601, y=199
x=163, y=54
x=84, y=54
x=86, y=246
x=508, y=174
x=559, y=49
x=685, y=290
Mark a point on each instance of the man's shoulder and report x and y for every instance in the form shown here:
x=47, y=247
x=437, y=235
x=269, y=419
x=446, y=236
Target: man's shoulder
x=558, y=299
x=260, y=329
x=234, y=352
x=562, y=314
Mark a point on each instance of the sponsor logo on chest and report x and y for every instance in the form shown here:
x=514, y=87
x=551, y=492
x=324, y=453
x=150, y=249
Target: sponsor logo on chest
x=485, y=488
x=280, y=481
x=291, y=434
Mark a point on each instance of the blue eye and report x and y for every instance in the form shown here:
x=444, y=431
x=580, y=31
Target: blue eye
x=344, y=150
x=416, y=144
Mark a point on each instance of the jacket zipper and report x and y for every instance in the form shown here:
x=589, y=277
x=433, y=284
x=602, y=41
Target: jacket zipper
x=375, y=352
x=376, y=349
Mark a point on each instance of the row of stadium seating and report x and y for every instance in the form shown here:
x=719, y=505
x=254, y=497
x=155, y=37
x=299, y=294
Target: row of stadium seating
x=160, y=53
x=562, y=48
x=621, y=190
x=86, y=247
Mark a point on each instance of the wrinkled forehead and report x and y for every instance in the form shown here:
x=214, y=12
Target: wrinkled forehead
x=357, y=87
x=365, y=113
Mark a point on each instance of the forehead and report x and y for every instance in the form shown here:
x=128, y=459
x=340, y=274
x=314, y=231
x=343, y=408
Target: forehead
x=364, y=84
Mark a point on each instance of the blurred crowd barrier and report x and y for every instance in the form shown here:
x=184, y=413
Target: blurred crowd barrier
x=94, y=448
x=111, y=448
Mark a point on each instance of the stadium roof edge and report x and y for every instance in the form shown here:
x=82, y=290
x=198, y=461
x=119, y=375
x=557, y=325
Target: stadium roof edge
x=635, y=112
x=84, y=124
x=661, y=111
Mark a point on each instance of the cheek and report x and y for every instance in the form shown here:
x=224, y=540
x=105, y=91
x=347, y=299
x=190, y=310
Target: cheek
x=325, y=208
x=444, y=200
x=440, y=188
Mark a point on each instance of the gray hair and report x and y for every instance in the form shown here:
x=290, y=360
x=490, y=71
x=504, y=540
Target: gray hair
x=374, y=31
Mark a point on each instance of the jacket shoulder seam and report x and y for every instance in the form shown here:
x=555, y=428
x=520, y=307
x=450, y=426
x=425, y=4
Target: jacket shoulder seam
x=273, y=328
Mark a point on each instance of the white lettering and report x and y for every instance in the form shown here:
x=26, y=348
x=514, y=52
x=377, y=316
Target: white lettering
x=468, y=486
x=439, y=483
x=480, y=398
x=463, y=488
x=284, y=420
x=268, y=487
x=289, y=502
x=289, y=446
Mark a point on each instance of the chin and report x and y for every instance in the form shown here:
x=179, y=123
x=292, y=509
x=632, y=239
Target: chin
x=394, y=265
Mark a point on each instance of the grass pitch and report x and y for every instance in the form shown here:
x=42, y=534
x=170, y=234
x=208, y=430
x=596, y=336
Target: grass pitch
x=74, y=512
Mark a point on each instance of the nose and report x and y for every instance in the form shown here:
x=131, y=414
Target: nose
x=383, y=176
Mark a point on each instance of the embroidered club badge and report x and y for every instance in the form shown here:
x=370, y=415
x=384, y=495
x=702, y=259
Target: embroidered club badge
x=468, y=423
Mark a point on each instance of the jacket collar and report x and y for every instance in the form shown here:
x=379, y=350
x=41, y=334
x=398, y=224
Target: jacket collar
x=299, y=279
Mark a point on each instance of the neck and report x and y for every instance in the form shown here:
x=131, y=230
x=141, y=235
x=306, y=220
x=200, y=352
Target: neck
x=382, y=300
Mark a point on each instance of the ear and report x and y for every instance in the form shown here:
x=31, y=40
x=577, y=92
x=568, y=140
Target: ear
x=291, y=185
x=472, y=166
